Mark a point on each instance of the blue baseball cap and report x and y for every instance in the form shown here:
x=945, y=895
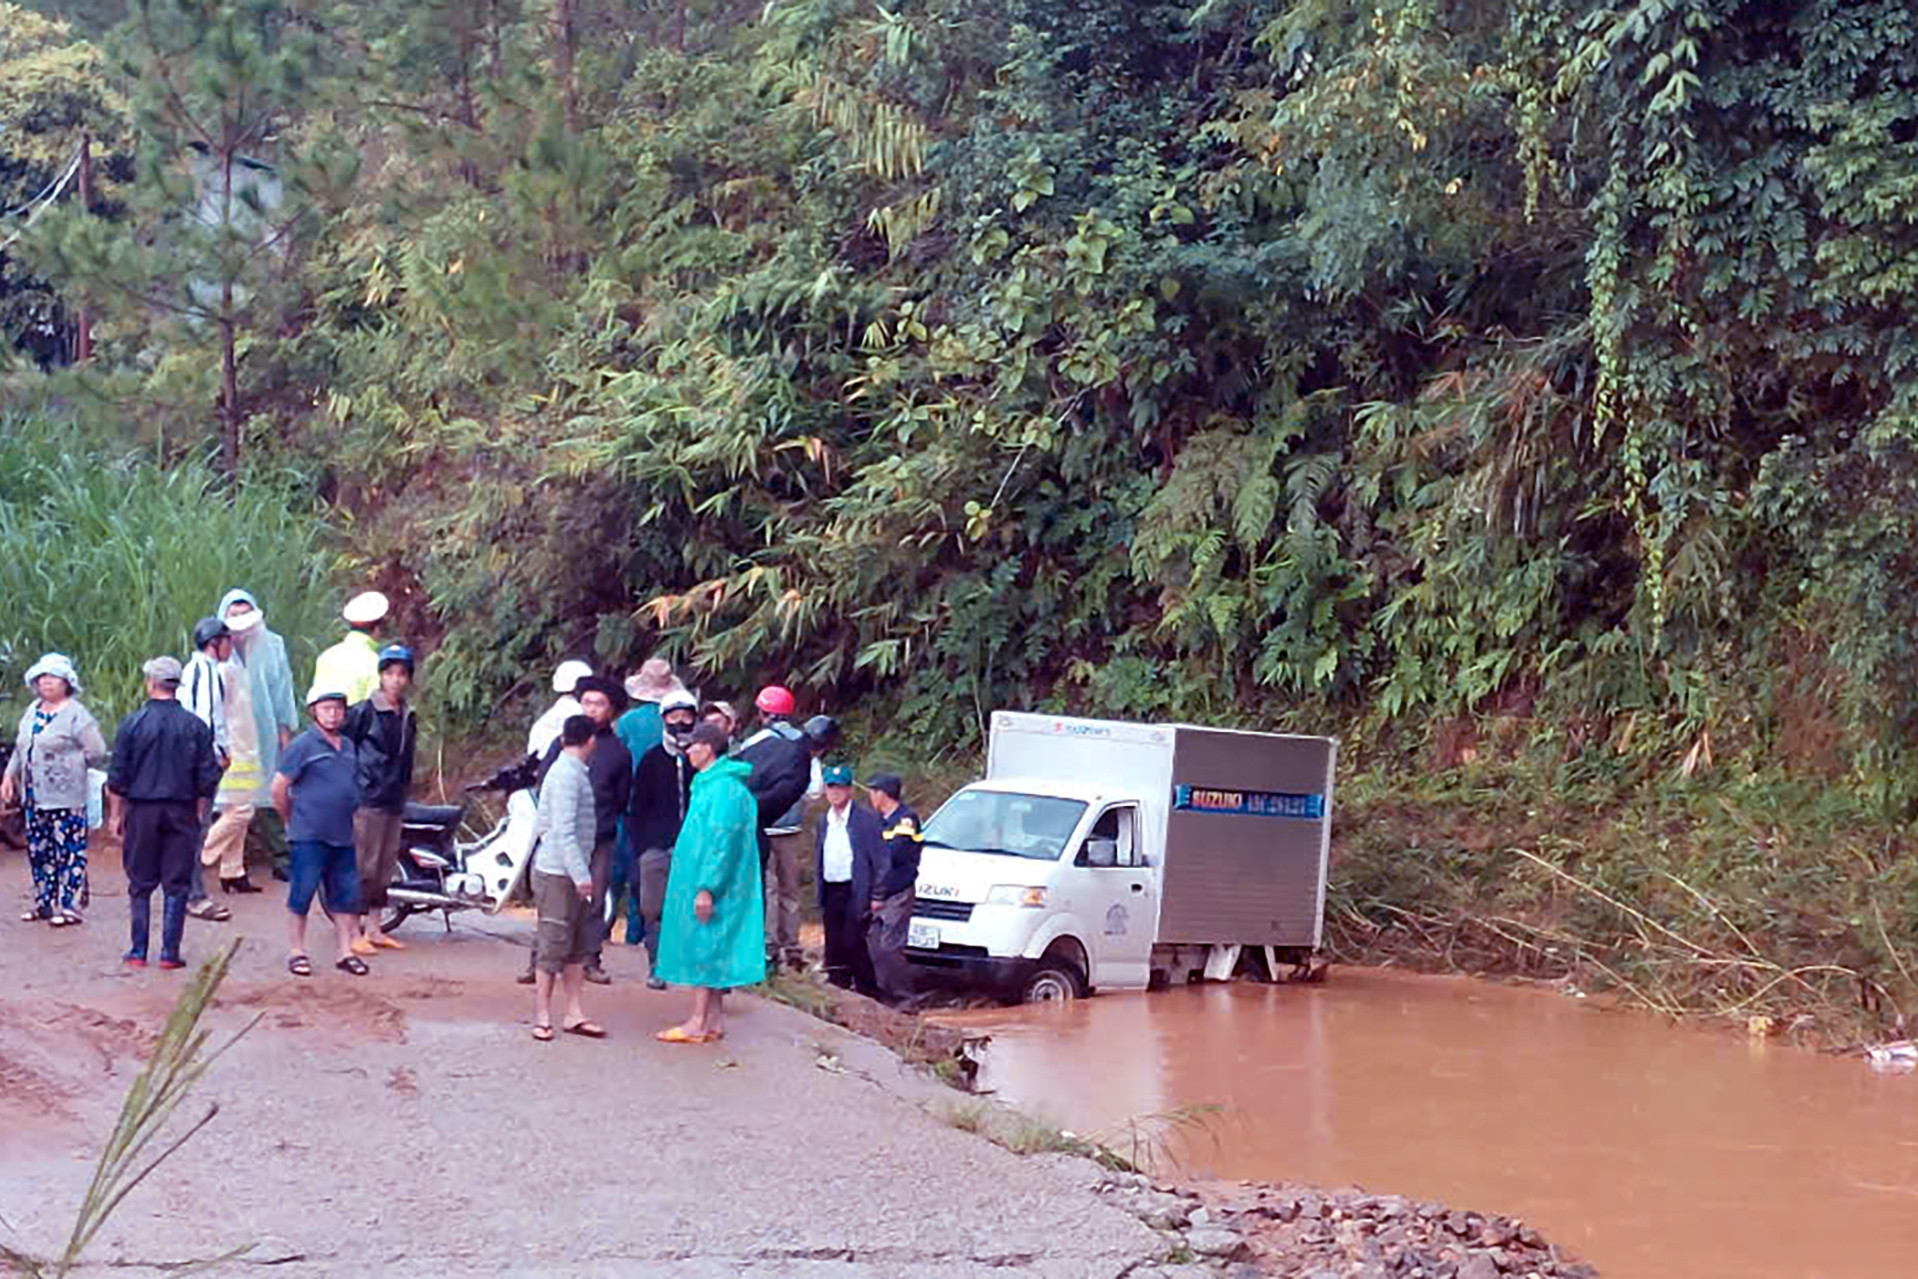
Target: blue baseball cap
x=837, y=775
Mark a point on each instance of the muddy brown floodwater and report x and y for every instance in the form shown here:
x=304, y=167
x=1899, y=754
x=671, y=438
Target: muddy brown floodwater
x=1654, y=1152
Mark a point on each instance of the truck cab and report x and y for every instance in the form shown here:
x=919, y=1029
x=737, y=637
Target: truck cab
x=1037, y=886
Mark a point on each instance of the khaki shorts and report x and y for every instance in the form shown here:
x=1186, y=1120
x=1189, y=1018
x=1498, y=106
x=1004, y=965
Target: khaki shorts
x=376, y=847
x=568, y=933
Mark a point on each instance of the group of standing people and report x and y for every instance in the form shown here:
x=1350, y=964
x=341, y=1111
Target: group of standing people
x=646, y=796
x=210, y=760
x=657, y=800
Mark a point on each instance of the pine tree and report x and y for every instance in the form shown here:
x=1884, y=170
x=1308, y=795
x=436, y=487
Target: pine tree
x=56, y=102
x=233, y=181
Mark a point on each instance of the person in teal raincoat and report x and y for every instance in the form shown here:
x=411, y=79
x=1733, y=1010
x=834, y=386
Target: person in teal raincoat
x=712, y=930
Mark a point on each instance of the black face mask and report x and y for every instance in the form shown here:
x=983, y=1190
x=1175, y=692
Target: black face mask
x=681, y=733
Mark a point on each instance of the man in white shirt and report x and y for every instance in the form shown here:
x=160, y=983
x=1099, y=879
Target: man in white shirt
x=202, y=690
x=851, y=861
x=545, y=730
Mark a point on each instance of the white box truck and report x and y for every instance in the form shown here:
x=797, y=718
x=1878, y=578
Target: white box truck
x=1099, y=855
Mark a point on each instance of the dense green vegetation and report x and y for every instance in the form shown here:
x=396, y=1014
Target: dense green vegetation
x=1417, y=367
x=112, y=559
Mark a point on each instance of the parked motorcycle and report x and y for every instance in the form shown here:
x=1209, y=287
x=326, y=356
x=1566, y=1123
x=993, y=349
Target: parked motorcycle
x=438, y=871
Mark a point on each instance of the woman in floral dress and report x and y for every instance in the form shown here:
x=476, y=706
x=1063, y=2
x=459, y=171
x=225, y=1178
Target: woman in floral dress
x=58, y=741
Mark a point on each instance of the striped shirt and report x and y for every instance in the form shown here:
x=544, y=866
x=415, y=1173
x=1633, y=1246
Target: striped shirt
x=203, y=691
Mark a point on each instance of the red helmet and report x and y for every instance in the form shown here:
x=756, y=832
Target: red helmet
x=774, y=699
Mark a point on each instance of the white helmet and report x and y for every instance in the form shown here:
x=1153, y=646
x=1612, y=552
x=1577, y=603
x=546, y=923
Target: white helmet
x=365, y=608
x=569, y=674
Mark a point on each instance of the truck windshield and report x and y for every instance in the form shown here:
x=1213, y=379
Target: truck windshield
x=982, y=821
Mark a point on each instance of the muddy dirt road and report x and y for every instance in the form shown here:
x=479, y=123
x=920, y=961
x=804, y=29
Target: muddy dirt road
x=407, y=1124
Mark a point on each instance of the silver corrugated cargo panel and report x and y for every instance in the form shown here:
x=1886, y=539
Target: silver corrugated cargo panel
x=1246, y=839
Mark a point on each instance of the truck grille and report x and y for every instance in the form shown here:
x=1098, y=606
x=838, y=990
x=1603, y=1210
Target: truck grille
x=954, y=912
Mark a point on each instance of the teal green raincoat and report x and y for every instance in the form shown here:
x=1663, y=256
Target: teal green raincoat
x=718, y=852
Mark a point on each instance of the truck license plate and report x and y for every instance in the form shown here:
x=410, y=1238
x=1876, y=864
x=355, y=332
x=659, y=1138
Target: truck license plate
x=922, y=936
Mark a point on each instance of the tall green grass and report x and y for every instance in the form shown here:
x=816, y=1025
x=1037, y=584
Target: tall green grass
x=110, y=558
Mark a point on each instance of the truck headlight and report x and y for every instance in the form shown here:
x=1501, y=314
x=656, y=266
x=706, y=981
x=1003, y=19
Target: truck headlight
x=1015, y=895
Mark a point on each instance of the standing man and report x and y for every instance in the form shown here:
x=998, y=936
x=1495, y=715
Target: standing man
x=563, y=880
x=611, y=770
x=269, y=700
x=640, y=730
x=849, y=863
x=785, y=774
x=316, y=792
x=545, y=730
x=353, y=664
x=895, y=895
x=161, y=780
x=662, y=790
x=383, y=731
x=203, y=693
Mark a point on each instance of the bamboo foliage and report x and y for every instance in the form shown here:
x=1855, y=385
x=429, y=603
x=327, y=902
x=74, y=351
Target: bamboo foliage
x=883, y=138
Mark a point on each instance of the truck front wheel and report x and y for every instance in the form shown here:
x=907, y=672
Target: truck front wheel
x=1053, y=980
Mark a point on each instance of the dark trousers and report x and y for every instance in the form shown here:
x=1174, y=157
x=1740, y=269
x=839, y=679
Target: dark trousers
x=848, y=966
x=602, y=866
x=886, y=940
x=655, y=869
x=161, y=844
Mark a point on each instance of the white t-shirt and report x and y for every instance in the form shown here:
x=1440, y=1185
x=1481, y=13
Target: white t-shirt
x=546, y=728
x=837, y=854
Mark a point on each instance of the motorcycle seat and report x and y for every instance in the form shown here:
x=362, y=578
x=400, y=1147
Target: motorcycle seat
x=447, y=815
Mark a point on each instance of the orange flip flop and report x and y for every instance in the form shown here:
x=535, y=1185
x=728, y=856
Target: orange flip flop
x=674, y=1035
x=388, y=942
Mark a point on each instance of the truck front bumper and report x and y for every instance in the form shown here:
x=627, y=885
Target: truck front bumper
x=972, y=966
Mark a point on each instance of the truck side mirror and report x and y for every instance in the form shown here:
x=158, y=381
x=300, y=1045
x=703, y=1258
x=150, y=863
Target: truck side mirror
x=1102, y=852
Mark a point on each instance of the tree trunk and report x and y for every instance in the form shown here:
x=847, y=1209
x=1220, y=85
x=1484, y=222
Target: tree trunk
x=563, y=36
x=229, y=393
x=229, y=362
x=83, y=327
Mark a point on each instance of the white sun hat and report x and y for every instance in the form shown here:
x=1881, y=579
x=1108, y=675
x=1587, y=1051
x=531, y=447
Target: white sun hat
x=569, y=674
x=365, y=608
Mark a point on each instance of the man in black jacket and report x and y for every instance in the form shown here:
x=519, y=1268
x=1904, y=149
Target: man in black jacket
x=850, y=861
x=161, y=781
x=662, y=788
x=611, y=768
x=383, y=732
x=895, y=893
